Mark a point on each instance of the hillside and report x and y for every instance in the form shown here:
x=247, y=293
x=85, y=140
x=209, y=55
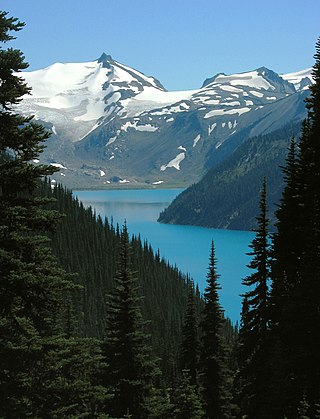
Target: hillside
x=89, y=246
x=228, y=195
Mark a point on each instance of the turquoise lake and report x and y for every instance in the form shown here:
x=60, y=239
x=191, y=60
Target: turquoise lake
x=187, y=247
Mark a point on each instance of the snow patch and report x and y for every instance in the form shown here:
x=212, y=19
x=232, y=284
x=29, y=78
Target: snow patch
x=102, y=173
x=234, y=103
x=230, y=89
x=211, y=128
x=219, y=112
x=174, y=163
x=146, y=127
x=158, y=182
x=182, y=148
x=257, y=94
x=297, y=77
x=249, y=79
x=195, y=141
x=206, y=100
x=59, y=165
x=111, y=140
x=134, y=125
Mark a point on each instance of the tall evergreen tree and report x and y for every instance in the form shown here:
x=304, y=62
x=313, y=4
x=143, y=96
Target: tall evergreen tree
x=126, y=352
x=296, y=278
x=26, y=312
x=309, y=160
x=213, y=354
x=190, y=339
x=254, y=368
x=287, y=243
x=42, y=371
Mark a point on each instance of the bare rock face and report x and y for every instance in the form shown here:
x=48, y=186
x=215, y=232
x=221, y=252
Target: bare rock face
x=107, y=117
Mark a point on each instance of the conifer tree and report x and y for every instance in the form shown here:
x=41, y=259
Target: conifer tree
x=296, y=278
x=160, y=405
x=254, y=366
x=190, y=340
x=309, y=292
x=288, y=245
x=215, y=378
x=42, y=371
x=126, y=352
x=187, y=403
x=287, y=241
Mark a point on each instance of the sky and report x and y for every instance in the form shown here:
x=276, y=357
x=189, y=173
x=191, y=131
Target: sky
x=179, y=42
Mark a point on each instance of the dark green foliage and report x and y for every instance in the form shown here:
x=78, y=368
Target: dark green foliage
x=51, y=362
x=41, y=370
x=254, y=369
x=317, y=409
x=287, y=240
x=27, y=272
x=303, y=409
x=187, y=404
x=159, y=404
x=190, y=339
x=214, y=378
x=296, y=280
x=45, y=369
x=65, y=382
x=89, y=246
x=228, y=195
x=126, y=352
x=11, y=60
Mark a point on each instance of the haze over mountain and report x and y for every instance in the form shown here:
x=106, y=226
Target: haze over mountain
x=112, y=125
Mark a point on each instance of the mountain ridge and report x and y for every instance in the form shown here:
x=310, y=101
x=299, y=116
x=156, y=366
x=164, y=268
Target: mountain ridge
x=228, y=195
x=112, y=125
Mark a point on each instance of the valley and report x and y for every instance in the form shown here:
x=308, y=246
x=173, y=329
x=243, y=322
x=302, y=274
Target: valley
x=140, y=209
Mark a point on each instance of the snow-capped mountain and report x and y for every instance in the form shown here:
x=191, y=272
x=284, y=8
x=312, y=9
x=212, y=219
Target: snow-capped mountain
x=111, y=123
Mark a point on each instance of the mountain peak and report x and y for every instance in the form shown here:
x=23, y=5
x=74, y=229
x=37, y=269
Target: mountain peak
x=211, y=79
x=104, y=57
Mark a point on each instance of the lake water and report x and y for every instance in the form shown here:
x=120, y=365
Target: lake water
x=187, y=247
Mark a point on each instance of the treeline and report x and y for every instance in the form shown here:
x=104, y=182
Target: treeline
x=228, y=195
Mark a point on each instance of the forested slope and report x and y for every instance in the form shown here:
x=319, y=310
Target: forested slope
x=228, y=195
x=89, y=246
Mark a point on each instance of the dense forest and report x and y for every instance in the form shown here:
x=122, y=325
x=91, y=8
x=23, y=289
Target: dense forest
x=94, y=324
x=228, y=195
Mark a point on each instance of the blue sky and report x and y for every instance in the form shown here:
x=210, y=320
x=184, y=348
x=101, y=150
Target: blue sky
x=180, y=42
